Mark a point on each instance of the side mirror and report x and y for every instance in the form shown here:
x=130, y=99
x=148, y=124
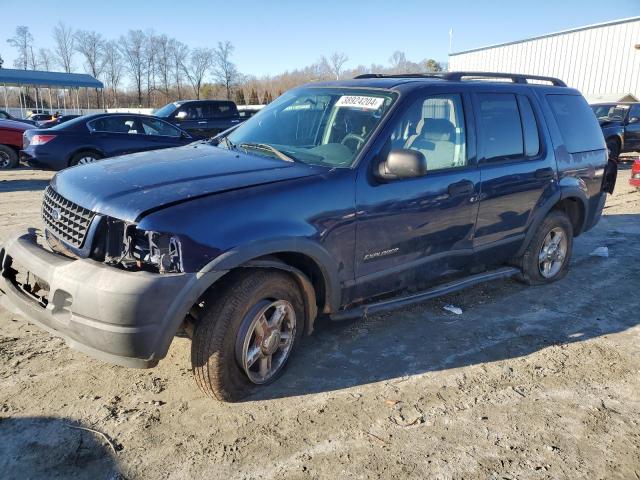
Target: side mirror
x=181, y=115
x=403, y=163
x=633, y=120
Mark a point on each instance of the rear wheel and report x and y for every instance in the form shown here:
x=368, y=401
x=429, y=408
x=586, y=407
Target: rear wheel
x=8, y=157
x=547, y=256
x=82, y=158
x=247, y=333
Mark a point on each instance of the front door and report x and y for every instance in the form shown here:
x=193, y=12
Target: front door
x=411, y=231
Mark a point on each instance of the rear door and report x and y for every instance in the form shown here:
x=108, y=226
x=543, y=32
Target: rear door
x=517, y=170
x=118, y=134
x=222, y=115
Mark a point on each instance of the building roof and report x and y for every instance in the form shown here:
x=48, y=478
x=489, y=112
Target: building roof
x=562, y=32
x=47, y=79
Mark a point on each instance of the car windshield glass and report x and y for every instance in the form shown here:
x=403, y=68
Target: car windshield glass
x=610, y=112
x=322, y=126
x=166, y=110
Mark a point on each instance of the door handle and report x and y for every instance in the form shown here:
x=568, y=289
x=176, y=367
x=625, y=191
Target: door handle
x=202, y=123
x=463, y=187
x=544, y=173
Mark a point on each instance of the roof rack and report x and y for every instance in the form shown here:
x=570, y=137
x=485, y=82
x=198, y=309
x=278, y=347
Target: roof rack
x=459, y=76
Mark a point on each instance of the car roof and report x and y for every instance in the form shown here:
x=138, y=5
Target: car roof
x=15, y=125
x=464, y=80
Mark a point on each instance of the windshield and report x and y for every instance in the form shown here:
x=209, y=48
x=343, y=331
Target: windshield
x=167, y=110
x=322, y=126
x=610, y=111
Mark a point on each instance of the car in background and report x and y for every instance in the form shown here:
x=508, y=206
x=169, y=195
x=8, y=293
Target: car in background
x=4, y=115
x=634, y=181
x=57, y=120
x=11, y=133
x=201, y=118
x=93, y=137
x=620, y=124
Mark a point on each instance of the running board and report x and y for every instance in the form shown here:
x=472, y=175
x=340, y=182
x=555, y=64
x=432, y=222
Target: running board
x=437, y=291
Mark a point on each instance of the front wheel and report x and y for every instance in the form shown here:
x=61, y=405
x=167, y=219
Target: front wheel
x=247, y=333
x=547, y=256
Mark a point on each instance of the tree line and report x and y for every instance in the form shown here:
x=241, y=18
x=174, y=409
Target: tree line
x=144, y=68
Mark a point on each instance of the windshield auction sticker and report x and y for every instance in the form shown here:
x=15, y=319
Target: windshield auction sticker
x=358, y=101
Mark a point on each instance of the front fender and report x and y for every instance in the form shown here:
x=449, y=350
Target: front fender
x=240, y=256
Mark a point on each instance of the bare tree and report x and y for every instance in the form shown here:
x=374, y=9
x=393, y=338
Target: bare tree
x=22, y=41
x=336, y=62
x=398, y=61
x=45, y=59
x=179, y=56
x=132, y=50
x=225, y=71
x=163, y=63
x=150, y=53
x=91, y=46
x=199, y=64
x=64, y=46
x=113, y=67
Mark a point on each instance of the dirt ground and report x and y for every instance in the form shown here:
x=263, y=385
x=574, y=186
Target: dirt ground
x=527, y=382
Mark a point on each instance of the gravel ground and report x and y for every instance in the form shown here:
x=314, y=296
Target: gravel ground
x=526, y=383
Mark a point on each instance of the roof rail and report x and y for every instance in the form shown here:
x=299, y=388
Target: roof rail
x=459, y=76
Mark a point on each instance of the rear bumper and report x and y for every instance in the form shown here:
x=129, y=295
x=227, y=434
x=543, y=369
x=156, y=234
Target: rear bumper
x=37, y=160
x=126, y=318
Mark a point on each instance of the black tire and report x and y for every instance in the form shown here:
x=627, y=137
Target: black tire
x=8, y=157
x=77, y=157
x=531, y=269
x=214, y=354
x=613, y=145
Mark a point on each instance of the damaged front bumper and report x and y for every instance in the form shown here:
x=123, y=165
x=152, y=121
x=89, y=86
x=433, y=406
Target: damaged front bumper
x=125, y=318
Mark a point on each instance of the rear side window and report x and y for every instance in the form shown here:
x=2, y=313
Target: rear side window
x=529, y=127
x=116, y=124
x=578, y=125
x=500, y=129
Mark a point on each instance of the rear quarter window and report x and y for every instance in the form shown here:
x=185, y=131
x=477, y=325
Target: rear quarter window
x=578, y=125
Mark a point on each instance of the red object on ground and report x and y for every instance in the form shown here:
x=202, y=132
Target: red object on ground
x=635, y=174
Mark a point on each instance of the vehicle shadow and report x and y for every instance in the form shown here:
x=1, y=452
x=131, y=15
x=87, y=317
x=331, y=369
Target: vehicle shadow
x=500, y=320
x=23, y=185
x=49, y=447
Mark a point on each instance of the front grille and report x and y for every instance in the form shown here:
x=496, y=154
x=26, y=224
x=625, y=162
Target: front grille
x=64, y=219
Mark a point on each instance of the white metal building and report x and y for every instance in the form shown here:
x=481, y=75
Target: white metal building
x=602, y=60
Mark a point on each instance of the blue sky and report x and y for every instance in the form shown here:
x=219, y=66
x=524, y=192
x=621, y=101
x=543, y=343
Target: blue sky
x=274, y=36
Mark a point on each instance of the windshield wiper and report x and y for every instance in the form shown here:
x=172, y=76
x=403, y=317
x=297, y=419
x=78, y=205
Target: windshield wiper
x=269, y=148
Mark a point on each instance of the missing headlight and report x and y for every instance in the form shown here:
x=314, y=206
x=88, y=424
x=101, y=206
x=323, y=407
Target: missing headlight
x=145, y=250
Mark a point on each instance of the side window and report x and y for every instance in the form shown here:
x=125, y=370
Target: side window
x=154, y=126
x=529, y=127
x=578, y=125
x=118, y=124
x=434, y=126
x=190, y=112
x=220, y=110
x=500, y=130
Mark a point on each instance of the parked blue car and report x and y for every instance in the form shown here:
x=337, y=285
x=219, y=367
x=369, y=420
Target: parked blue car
x=93, y=137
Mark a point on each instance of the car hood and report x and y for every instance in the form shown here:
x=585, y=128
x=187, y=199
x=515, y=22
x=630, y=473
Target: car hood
x=128, y=187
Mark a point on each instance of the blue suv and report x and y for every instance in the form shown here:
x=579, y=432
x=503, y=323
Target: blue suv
x=337, y=199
